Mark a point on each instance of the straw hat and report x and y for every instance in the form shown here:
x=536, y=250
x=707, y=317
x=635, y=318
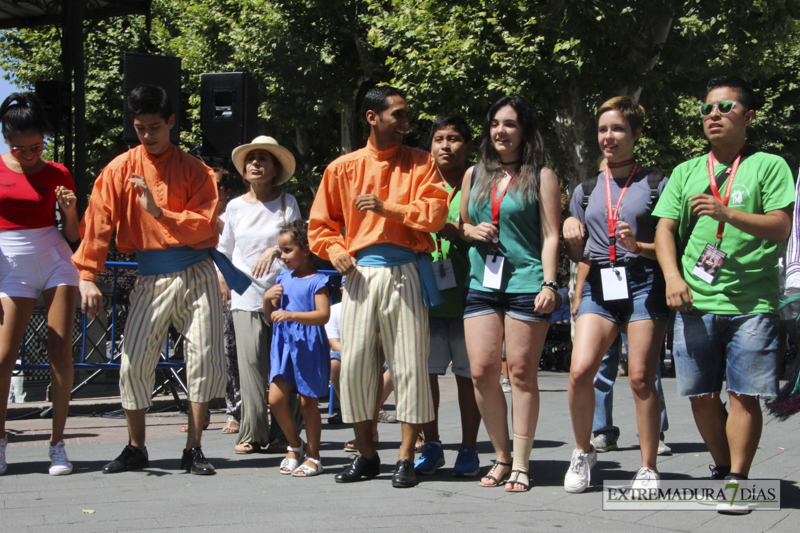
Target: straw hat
x=263, y=142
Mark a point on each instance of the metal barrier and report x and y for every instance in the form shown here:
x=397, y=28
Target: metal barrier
x=111, y=335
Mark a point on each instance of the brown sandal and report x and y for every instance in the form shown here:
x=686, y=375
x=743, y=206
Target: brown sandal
x=515, y=481
x=490, y=475
x=246, y=448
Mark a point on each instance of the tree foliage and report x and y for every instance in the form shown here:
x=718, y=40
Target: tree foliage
x=314, y=59
x=569, y=56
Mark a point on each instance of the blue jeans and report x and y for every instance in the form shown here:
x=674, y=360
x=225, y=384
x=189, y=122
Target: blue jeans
x=604, y=394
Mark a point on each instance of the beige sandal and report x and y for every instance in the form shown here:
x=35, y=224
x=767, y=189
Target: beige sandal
x=230, y=427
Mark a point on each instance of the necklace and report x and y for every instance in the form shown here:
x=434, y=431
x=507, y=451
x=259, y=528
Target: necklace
x=517, y=162
x=621, y=163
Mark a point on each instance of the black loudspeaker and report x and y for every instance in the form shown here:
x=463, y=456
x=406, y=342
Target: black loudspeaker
x=228, y=111
x=152, y=70
x=54, y=96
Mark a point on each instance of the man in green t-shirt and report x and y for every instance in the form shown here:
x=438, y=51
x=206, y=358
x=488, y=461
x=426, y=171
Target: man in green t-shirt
x=451, y=143
x=717, y=243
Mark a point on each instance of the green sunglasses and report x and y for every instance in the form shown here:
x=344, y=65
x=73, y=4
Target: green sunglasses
x=725, y=107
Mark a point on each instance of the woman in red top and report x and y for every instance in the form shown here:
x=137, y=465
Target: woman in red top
x=35, y=259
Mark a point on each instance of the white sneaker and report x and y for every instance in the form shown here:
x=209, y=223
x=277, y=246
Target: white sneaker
x=646, y=479
x=506, y=384
x=3, y=464
x=59, y=462
x=579, y=474
x=663, y=449
x=735, y=508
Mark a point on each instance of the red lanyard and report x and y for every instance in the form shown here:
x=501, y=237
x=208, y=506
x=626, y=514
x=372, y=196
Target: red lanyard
x=454, y=191
x=614, y=214
x=449, y=201
x=496, y=210
x=712, y=180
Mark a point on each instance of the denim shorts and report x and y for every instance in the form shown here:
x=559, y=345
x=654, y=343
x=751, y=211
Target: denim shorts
x=705, y=344
x=646, y=289
x=516, y=305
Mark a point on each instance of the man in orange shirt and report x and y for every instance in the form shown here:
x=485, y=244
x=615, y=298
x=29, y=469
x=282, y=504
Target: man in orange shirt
x=163, y=204
x=388, y=198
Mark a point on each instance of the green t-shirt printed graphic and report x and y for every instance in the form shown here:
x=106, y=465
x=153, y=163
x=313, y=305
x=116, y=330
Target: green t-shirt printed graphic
x=748, y=280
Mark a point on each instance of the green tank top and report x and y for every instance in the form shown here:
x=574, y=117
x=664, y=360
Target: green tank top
x=520, y=243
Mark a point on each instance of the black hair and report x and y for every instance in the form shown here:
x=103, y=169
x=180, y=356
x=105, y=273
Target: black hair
x=411, y=138
x=149, y=99
x=455, y=122
x=21, y=112
x=745, y=91
x=377, y=98
x=226, y=178
x=298, y=229
x=526, y=186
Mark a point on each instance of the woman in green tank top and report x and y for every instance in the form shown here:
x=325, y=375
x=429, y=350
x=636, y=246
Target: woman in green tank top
x=511, y=212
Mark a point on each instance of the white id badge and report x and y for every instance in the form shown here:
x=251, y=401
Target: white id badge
x=709, y=263
x=615, y=283
x=493, y=273
x=445, y=275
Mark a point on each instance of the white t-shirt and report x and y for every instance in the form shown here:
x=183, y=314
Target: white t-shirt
x=251, y=228
x=332, y=327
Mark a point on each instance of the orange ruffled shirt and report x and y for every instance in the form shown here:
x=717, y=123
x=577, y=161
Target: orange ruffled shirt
x=405, y=179
x=183, y=187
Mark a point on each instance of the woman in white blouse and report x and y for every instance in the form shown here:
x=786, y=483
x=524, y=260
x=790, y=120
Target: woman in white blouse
x=250, y=238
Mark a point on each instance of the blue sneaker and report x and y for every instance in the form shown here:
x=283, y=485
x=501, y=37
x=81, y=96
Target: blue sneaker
x=431, y=458
x=467, y=463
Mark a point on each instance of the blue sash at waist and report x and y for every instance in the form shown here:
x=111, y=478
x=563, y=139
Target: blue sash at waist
x=177, y=258
x=389, y=255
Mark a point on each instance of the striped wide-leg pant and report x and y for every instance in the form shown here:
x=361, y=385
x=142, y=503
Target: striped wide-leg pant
x=385, y=300
x=191, y=301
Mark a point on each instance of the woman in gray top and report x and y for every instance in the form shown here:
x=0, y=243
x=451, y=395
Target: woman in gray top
x=611, y=223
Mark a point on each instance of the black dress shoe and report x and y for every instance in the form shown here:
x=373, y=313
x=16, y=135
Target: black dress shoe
x=195, y=462
x=361, y=466
x=131, y=458
x=404, y=476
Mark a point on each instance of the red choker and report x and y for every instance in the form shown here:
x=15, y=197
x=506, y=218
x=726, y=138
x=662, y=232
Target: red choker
x=622, y=163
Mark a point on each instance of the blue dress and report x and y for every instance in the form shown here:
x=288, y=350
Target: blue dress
x=300, y=354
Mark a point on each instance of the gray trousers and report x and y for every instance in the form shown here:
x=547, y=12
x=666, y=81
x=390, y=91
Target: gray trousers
x=253, y=339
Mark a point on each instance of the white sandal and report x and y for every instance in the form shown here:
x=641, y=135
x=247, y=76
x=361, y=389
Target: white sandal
x=306, y=471
x=289, y=465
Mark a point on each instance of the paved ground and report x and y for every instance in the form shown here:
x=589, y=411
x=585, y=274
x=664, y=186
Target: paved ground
x=249, y=492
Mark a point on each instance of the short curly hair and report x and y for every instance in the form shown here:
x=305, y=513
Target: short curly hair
x=298, y=229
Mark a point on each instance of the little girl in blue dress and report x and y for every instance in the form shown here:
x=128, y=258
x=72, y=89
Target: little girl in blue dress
x=298, y=306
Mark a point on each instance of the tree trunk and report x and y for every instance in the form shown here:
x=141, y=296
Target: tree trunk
x=572, y=127
x=349, y=127
x=659, y=37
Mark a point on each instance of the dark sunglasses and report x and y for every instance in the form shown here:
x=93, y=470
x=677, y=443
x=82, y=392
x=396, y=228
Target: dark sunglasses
x=19, y=150
x=725, y=107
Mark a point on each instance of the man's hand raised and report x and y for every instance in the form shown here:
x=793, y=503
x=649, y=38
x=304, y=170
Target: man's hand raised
x=369, y=202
